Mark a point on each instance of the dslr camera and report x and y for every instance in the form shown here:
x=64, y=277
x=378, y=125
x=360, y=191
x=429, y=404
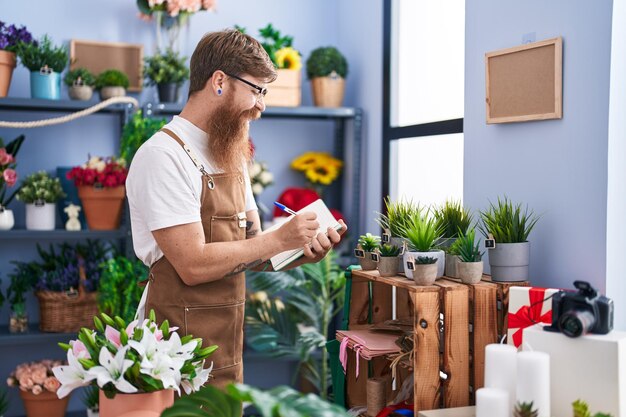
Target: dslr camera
x=582, y=312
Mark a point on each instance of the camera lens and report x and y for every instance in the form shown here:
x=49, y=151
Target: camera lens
x=576, y=322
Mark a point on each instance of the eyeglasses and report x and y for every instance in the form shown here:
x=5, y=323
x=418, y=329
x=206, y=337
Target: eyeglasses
x=261, y=91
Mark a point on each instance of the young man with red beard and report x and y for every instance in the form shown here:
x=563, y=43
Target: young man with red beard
x=194, y=219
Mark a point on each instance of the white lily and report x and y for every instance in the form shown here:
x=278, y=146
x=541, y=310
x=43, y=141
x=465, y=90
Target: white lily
x=202, y=375
x=71, y=376
x=166, y=370
x=147, y=347
x=176, y=350
x=112, y=370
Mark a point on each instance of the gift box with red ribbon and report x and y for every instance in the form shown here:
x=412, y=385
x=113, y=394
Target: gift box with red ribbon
x=528, y=306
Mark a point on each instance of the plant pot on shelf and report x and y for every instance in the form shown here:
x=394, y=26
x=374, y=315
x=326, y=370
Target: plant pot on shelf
x=470, y=272
x=7, y=220
x=388, y=266
x=509, y=262
x=439, y=254
x=286, y=91
x=328, y=91
x=366, y=263
x=7, y=65
x=168, y=93
x=109, y=92
x=102, y=206
x=452, y=269
x=80, y=92
x=150, y=404
x=399, y=242
x=45, y=404
x=425, y=274
x=40, y=216
x=45, y=84
x=18, y=321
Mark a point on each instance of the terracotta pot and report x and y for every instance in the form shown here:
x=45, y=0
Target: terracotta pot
x=150, y=404
x=388, y=266
x=108, y=92
x=102, y=206
x=328, y=91
x=7, y=64
x=470, y=272
x=46, y=404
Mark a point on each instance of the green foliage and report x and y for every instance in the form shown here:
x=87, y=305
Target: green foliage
x=399, y=216
x=525, y=410
x=506, y=222
x=81, y=76
x=324, y=61
x=118, y=293
x=422, y=233
x=138, y=130
x=165, y=68
x=425, y=260
x=40, y=187
x=452, y=218
x=581, y=409
x=4, y=402
x=22, y=280
x=467, y=250
x=453, y=249
x=35, y=56
x=387, y=250
x=112, y=78
x=91, y=398
x=369, y=242
x=271, y=40
x=277, y=402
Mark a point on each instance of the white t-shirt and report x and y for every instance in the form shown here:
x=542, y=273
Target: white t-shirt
x=164, y=187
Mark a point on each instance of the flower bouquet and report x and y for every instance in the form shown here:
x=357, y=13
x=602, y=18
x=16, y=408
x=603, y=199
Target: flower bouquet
x=319, y=168
x=38, y=388
x=139, y=357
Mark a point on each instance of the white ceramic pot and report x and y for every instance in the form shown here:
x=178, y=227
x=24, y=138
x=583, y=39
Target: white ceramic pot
x=439, y=254
x=7, y=221
x=40, y=216
x=470, y=272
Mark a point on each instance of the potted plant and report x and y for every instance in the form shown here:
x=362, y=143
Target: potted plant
x=327, y=69
x=368, y=243
x=452, y=259
x=111, y=83
x=507, y=226
x=397, y=221
x=92, y=401
x=22, y=280
x=45, y=62
x=388, y=263
x=136, y=365
x=38, y=388
x=10, y=38
x=470, y=266
x=8, y=179
x=168, y=72
x=453, y=219
x=423, y=233
x=101, y=190
x=80, y=83
x=40, y=193
x=423, y=269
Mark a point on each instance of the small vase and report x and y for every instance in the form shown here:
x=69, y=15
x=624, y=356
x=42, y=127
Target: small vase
x=102, y=206
x=150, y=404
x=18, y=322
x=40, y=216
x=45, y=404
x=7, y=221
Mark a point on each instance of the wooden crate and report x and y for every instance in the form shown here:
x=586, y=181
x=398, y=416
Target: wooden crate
x=453, y=324
x=286, y=91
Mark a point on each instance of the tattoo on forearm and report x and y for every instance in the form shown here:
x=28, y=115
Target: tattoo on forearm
x=250, y=231
x=243, y=267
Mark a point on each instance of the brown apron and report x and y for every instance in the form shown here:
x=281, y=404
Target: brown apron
x=213, y=311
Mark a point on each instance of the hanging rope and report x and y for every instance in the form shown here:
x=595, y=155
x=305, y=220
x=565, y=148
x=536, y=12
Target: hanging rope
x=68, y=118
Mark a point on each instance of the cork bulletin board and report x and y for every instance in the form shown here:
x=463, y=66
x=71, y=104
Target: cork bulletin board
x=99, y=56
x=525, y=82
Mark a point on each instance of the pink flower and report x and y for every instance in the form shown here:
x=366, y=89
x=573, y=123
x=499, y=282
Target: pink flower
x=37, y=389
x=80, y=350
x=26, y=382
x=112, y=335
x=5, y=158
x=11, y=381
x=51, y=384
x=10, y=176
x=39, y=374
x=208, y=4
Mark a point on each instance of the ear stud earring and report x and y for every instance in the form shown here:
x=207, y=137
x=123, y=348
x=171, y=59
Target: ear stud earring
x=219, y=91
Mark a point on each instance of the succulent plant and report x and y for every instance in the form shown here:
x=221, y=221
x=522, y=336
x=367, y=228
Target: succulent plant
x=425, y=260
x=469, y=251
x=452, y=218
x=506, y=221
x=369, y=242
x=525, y=410
x=386, y=250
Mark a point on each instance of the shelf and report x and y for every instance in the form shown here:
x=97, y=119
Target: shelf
x=301, y=112
x=34, y=335
x=22, y=234
x=62, y=106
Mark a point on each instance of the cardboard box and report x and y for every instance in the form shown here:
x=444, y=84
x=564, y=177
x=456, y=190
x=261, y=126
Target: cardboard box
x=591, y=368
x=527, y=307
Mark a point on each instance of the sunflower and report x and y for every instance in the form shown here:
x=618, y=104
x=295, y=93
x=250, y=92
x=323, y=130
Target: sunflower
x=322, y=174
x=305, y=161
x=288, y=58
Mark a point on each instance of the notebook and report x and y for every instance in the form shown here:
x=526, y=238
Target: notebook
x=325, y=219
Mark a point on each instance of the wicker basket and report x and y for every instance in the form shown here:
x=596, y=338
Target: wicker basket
x=67, y=312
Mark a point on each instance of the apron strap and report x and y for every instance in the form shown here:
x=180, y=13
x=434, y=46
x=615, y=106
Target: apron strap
x=189, y=152
x=141, y=308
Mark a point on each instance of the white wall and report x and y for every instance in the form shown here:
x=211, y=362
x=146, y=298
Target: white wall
x=558, y=167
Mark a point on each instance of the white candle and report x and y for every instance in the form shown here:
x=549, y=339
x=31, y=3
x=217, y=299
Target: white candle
x=492, y=402
x=533, y=380
x=501, y=369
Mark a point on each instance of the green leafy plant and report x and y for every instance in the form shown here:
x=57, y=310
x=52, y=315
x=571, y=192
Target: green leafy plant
x=138, y=130
x=525, y=410
x=386, y=250
x=452, y=218
x=399, y=216
x=165, y=69
x=325, y=61
x=425, y=260
x=423, y=233
x=507, y=222
x=277, y=402
x=79, y=76
x=453, y=249
x=467, y=250
x=4, y=402
x=37, y=55
x=40, y=187
x=21, y=280
x=111, y=78
x=118, y=292
x=369, y=242
x=91, y=398
x=581, y=409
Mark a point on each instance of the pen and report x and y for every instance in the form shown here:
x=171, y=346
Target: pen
x=284, y=208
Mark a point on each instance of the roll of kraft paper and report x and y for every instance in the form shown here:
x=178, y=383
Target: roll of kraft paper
x=376, y=395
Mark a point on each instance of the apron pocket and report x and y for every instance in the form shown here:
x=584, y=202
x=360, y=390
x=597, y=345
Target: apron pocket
x=226, y=229
x=221, y=325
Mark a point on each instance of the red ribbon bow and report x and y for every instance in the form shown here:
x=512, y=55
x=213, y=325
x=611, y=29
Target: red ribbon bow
x=529, y=314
